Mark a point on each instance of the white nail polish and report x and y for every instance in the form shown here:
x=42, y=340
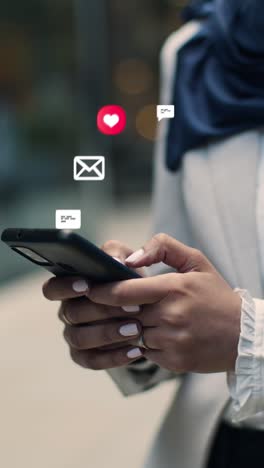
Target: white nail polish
x=131, y=329
x=80, y=286
x=134, y=353
x=135, y=256
x=131, y=309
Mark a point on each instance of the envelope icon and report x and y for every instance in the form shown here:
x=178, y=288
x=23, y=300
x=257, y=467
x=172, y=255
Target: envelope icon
x=89, y=168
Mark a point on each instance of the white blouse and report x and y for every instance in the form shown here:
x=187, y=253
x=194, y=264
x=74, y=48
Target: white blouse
x=246, y=384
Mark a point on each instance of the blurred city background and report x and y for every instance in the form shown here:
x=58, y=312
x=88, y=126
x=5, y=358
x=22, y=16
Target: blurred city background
x=60, y=61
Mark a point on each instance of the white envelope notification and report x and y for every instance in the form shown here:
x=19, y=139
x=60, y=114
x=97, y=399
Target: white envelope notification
x=89, y=168
x=68, y=219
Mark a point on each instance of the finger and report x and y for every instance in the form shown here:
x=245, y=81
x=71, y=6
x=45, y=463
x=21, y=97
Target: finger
x=96, y=336
x=81, y=310
x=166, y=338
x=167, y=312
x=135, y=291
x=59, y=289
x=120, y=252
x=166, y=249
x=117, y=249
x=99, y=360
x=154, y=338
x=158, y=357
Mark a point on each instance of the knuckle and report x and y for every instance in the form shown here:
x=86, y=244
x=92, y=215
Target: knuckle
x=187, y=282
x=93, y=294
x=177, y=316
x=97, y=361
x=180, y=284
x=94, y=364
x=46, y=289
x=61, y=312
x=76, y=310
x=78, y=338
x=168, y=317
x=108, y=334
x=161, y=238
x=185, y=341
x=111, y=246
x=175, y=282
x=183, y=318
x=75, y=337
x=65, y=312
x=118, y=294
x=81, y=359
x=170, y=342
x=76, y=357
x=66, y=335
x=197, y=255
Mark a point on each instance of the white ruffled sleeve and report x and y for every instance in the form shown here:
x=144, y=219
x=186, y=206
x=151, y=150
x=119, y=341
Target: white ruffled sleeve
x=246, y=384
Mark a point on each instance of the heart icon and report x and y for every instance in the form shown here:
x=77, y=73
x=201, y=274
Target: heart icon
x=111, y=120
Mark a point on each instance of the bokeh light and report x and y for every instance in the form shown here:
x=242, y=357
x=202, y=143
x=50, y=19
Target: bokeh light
x=133, y=76
x=146, y=122
x=15, y=58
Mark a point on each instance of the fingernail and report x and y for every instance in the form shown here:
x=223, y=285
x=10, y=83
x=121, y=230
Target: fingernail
x=134, y=353
x=135, y=256
x=131, y=329
x=129, y=309
x=80, y=286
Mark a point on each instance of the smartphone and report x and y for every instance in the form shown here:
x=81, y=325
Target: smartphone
x=65, y=253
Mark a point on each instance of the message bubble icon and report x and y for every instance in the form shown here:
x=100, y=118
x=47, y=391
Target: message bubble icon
x=165, y=112
x=68, y=219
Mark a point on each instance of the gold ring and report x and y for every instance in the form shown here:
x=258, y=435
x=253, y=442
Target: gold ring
x=141, y=342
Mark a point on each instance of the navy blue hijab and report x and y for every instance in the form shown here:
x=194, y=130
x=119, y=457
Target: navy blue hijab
x=219, y=83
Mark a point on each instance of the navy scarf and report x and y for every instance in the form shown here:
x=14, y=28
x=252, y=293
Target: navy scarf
x=219, y=84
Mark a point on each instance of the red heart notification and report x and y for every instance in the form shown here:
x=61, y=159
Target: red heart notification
x=111, y=120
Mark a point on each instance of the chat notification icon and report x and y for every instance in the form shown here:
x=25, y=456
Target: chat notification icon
x=68, y=219
x=165, y=112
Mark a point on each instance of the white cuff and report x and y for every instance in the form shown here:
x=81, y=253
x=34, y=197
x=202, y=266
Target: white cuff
x=246, y=384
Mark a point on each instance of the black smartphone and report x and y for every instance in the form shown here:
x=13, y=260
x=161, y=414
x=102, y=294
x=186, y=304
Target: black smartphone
x=65, y=253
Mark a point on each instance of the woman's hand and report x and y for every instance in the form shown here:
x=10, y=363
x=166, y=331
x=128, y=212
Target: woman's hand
x=99, y=336
x=190, y=319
